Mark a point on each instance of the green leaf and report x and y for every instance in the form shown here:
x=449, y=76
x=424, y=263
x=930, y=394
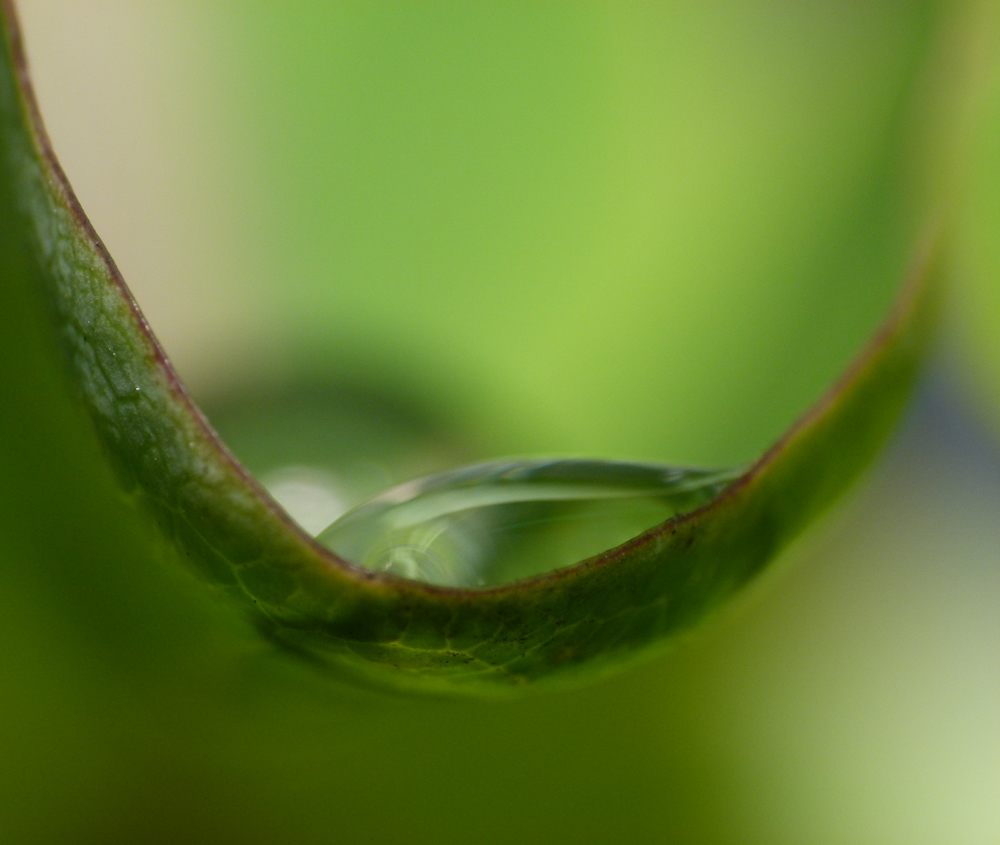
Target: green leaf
x=977, y=300
x=210, y=511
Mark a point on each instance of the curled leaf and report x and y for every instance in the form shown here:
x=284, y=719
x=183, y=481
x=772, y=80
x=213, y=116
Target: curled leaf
x=562, y=624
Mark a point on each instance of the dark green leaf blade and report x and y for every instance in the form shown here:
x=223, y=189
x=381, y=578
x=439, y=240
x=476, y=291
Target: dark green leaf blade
x=212, y=512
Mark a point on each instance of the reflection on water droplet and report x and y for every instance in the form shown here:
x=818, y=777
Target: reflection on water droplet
x=499, y=522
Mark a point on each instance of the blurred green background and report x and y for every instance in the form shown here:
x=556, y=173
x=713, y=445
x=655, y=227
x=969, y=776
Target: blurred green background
x=382, y=239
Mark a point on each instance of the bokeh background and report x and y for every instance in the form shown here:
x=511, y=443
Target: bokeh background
x=383, y=239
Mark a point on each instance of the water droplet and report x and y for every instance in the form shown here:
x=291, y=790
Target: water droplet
x=500, y=522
